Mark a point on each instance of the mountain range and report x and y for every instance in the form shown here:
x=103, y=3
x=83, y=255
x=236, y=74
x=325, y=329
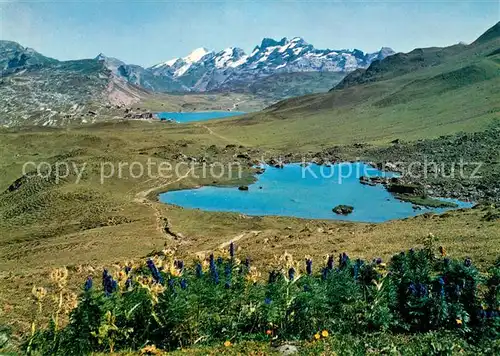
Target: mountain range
x=39, y=90
x=232, y=69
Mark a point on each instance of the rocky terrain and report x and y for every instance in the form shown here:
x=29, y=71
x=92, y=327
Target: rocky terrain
x=37, y=90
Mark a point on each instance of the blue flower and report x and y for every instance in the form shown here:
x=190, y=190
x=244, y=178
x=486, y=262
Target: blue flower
x=108, y=284
x=88, y=284
x=247, y=263
x=309, y=264
x=412, y=289
x=468, y=262
x=422, y=290
x=324, y=273
x=231, y=250
x=128, y=283
x=267, y=301
x=128, y=269
x=215, y=276
x=227, y=285
x=105, y=275
x=343, y=260
x=219, y=260
x=199, y=270
x=291, y=274
x=171, y=283
x=329, y=264
x=183, y=283
x=378, y=261
x=212, y=261
x=227, y=270
x=154, y=271
x=272, y=277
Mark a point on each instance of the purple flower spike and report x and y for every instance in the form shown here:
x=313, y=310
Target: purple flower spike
x=309, y=263
x=88, y=284
x=231, y=250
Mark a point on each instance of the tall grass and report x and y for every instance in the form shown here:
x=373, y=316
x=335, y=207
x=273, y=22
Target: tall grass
x=220, y=299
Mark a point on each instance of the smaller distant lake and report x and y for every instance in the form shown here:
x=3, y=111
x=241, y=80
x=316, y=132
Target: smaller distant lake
x=183, y=117
x=312, y=193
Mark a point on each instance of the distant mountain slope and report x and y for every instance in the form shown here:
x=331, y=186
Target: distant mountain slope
x=37, y=90
x=287, y=85
x=425, y=93
x=14, y=57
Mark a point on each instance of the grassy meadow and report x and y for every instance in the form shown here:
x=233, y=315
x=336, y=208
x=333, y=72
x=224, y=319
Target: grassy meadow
x=89, y=225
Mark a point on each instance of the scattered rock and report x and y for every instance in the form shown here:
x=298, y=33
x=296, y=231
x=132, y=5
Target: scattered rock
x=366, y=181
x=343, y=209
x=287, y=349
x=243, y=187
x=243, y=156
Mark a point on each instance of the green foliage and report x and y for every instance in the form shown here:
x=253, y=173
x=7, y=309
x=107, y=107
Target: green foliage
x=166, y=304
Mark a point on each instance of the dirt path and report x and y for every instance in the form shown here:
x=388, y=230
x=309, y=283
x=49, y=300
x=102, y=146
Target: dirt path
x=235, y=105
x=236, y=238
x=162, y=223
x=224, y=138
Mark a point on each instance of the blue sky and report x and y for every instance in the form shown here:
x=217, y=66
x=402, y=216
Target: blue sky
x=148, y=32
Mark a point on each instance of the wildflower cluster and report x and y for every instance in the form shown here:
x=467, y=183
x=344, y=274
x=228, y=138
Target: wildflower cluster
x=165, y=304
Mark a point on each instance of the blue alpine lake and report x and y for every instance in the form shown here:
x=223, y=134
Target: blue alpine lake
x=183, y=117
x=305, y=192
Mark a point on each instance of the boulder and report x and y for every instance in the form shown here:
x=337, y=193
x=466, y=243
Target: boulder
x=287, y=349
x=243, y=187
x=343, y=209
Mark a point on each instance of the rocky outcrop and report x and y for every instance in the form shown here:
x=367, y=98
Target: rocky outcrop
x=343, y=209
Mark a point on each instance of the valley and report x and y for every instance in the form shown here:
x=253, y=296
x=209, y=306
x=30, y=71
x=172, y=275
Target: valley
x=438, y=105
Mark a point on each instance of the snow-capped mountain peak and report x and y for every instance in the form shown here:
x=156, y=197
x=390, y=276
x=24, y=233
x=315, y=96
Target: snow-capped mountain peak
x=203, y=70
x=179, y=66
x=196, y=55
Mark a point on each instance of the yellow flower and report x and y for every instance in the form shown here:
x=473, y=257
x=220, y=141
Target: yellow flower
x=287, y=260
x=459, y=322
x=39, y=293
x=150, y=350
x=169, y=252
x=200, y=256
x=317, y=336
x=70, y=302
x=253, y=275
x=324, y=333
x=59, y=276
x=227, y=343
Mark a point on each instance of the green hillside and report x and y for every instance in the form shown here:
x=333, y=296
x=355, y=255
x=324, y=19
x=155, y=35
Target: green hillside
x=425, y=93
